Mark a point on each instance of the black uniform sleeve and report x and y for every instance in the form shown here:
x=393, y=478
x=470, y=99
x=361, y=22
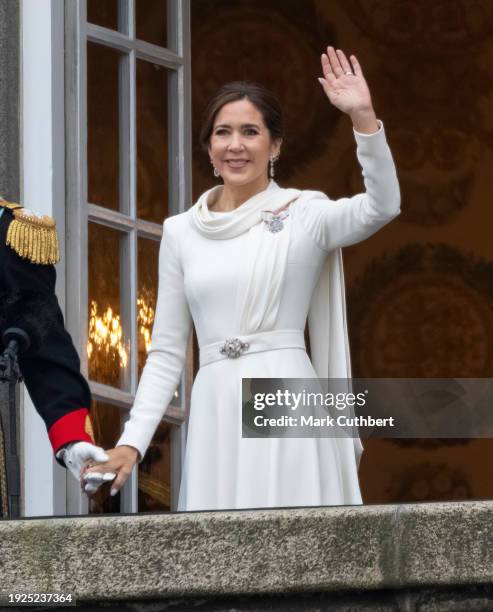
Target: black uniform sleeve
x=51, y=367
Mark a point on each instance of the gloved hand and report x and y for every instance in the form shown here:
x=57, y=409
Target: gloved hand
x=122, y=460
x=76, y=456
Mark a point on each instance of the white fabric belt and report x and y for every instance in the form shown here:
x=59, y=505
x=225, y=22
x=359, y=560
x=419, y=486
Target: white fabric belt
x=232, y=348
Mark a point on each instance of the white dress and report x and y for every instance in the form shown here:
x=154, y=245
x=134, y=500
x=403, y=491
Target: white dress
x=198, y=279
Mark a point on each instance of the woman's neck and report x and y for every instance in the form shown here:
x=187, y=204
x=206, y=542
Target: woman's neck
x=230, y=197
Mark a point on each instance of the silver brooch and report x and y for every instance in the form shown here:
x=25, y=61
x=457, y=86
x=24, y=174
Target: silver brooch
x=233, y=347
x=274, y=221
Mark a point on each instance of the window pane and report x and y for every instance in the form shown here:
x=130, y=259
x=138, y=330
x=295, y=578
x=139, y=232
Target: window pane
x=107, y=349
x=150, y=21
x=152, y=142
x=103, y=13
x=155, y=471
x=102, y=126
x=106, y=422
x=147, y=262
x=147, y=266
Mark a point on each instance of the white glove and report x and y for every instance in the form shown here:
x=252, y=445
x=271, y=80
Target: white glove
x=75, y=454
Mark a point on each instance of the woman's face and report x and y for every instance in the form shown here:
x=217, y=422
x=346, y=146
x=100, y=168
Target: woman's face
x=240, y=144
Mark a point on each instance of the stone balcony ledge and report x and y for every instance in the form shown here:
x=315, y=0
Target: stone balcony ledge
x=250, y=552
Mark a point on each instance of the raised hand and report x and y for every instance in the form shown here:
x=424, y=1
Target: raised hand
x=344, y=83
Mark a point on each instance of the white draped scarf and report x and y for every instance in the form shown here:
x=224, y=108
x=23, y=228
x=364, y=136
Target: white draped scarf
x=259, y=293
x=265, y=257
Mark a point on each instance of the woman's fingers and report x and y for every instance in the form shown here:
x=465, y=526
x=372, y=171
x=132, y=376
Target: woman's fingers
x=90, y=483
x=123, y=474
x=327, y=68
x=106, y=466
x=118, y=468
x=93, y=477
x=326, y=87
x=334, y=62
x=346, y=66
x=356, y=66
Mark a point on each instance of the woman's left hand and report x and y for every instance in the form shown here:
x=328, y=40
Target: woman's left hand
x=347, y=90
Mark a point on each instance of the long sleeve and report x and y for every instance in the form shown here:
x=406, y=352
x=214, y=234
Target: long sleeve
x=342, y=222
x=51, y=367
x=166, y=357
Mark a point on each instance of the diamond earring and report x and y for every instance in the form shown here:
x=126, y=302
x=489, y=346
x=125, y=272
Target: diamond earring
x=271, y=166
x=216, y=171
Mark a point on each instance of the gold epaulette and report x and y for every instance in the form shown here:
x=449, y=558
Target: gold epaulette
x=9, y=205
x=32, y=237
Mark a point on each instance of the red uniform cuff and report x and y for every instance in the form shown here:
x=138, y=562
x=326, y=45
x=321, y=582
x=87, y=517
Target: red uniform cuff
x=74, y=426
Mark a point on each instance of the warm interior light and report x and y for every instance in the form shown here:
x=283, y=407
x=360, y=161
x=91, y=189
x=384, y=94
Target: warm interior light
x=145, y=319
x=104, y=343
x=105, y=336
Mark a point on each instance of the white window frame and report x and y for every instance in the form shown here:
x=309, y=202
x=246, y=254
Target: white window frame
x=79, y=212
x=42, y=189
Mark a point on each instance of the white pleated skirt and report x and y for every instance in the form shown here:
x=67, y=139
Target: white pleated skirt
x=224, y=471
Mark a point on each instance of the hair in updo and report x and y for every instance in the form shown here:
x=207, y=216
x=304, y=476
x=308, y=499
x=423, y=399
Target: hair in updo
x=261, y=97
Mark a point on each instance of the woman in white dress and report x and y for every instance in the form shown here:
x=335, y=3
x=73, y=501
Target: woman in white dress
x=238, y=272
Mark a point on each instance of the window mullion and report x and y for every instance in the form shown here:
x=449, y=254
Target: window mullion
x=130, y=491
x=184, y=112
x=157, y=55
x=109, y=38
x=132, y=173
x=131, y=17
x=76, y=201
x=104, y=393
x=125, y=17
x=76, y=186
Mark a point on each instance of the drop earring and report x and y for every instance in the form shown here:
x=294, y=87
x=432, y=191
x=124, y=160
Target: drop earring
x=271, y=166
x=216, y=171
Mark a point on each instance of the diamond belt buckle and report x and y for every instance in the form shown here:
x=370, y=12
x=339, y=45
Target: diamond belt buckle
x=233, y=347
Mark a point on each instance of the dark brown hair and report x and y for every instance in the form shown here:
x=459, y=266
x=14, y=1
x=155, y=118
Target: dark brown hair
x=261, y=97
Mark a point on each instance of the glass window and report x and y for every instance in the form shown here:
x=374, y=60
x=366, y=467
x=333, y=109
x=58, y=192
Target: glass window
x=107, y=345
x=103, y=13
x=154, y=473
x=151, y=21
x=103, y=139
x=134, y=181
x=152, y=142
x=106, y=423
x=147, y=258
x=147, y=266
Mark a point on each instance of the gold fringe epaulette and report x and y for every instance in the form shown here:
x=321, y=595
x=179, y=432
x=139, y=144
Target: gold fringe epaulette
x=32, y=237
x=9, y=205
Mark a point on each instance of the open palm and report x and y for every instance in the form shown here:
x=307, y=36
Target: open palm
x=344, y=82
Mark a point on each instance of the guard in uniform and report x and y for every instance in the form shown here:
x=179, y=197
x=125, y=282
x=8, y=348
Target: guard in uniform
x=51, y=367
